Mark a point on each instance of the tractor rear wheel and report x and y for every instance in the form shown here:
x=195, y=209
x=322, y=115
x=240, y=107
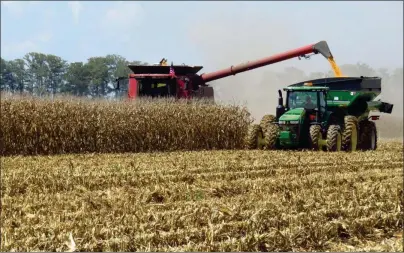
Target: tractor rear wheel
x=266, y=121
x=334, y=138
x=350, y=134
x=271, y=136
x=315, y=137
x=254, y=135
x=367, y=135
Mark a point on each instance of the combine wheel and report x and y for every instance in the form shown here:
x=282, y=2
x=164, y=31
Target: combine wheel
x=315, y=137
x=266, y=121
x=367, y=135
x=254, y=138
x=334, y=138
x=271, y=136
x=350, y=134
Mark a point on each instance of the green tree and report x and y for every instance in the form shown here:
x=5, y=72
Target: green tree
x=100, y=76
x=56, y=70
x=37, y=72
x=5, y=75
x=77, y=79
x=16, y=69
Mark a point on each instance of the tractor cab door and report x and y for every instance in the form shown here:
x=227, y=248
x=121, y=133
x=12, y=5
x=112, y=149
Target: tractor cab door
x=322, y=103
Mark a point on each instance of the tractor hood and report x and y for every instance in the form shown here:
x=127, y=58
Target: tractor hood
x=293, y=115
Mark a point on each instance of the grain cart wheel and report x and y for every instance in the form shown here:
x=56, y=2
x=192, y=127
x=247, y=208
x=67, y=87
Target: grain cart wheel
x=266, y=121
x=350, y=134
x=315, y=138
x=334, y=138
x=271, y=136
x=367, y=135
x=254, y=138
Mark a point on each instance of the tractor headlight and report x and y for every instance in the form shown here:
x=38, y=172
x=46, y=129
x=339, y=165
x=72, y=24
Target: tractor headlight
x=281, y=122
x=294, y=122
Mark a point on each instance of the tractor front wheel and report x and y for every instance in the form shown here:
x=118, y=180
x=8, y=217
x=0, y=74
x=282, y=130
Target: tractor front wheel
x=334, y=138
x=350, y=134
x=367, y=135
x=254, y=137
x=271, y=136
x=315, y=137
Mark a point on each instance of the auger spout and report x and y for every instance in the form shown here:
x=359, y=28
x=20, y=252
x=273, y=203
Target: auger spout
x=320, y=47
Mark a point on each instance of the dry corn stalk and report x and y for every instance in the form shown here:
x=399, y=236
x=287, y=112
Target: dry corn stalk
x=44, y=126
x=204, y=201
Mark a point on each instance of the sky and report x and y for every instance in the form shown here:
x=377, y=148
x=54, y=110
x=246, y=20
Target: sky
x=212, y=34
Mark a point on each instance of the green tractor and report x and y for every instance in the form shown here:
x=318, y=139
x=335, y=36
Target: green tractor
x=328, y=114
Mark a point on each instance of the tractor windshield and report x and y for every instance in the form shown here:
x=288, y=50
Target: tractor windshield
x=302, y=99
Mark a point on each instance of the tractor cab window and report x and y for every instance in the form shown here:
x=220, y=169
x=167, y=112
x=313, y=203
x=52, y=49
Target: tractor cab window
x=302, y=99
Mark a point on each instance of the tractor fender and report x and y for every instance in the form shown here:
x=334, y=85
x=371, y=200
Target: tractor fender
x=333, y=119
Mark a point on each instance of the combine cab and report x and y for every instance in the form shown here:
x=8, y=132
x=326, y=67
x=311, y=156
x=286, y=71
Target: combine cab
x=162, y=81
x=329, y=114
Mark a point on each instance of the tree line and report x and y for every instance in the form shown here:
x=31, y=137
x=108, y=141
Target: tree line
x=46, y=74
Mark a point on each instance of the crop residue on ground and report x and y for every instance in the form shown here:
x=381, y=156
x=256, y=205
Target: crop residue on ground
x=204, y=201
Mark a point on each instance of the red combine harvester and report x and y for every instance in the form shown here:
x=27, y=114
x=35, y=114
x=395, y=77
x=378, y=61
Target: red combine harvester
x=183, y=82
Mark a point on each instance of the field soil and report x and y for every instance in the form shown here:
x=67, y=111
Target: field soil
x=204, y=201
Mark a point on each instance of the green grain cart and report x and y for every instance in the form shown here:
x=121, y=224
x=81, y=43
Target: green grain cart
x=329, y=114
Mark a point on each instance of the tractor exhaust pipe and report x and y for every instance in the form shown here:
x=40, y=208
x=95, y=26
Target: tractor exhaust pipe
x=280, y=109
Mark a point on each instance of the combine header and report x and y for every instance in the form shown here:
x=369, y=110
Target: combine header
x=182, y=81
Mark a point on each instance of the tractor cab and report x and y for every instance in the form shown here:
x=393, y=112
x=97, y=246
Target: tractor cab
x=303, y=100
x=311, y=99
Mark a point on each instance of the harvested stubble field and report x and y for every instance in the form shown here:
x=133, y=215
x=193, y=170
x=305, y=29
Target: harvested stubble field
x=204, y=201
x=31, y=126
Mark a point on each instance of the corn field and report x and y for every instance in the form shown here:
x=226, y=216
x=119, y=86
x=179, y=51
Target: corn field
x=32, y=126
x=98, y=184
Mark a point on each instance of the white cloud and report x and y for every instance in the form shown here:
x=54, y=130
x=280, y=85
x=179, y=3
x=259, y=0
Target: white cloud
x=44, y=37
x=121, y=20
x=12, y=50
x=15, y=8
x=76, y=8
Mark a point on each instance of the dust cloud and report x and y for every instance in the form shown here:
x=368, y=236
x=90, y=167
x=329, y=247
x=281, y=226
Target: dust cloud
x=226, y=39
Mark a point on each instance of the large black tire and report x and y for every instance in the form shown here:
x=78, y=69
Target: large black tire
x=253, y=134
x=367, y=135
x=266, y=121
x=334, y=138
x=350, y=134
x=314, y=137
x=271, y=136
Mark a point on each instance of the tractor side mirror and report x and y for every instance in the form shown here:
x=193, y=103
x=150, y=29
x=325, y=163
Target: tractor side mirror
x=280, y=109
x=280, y=98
